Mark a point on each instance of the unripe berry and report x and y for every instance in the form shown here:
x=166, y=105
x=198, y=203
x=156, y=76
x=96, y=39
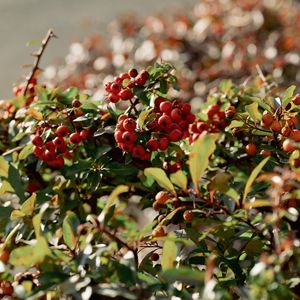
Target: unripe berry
x=175, y=135
x=138, y=151
x=133, y=73
x=62, y=131
x=176, y=114
x=251, y=149
x=295, y=135
x=275, y=126
x=166, y=107
x=163, y=143
x=288, y=146
x=267, y=118
x=128, y=137
x=162, y=197
x=152, y=145
x=158, y=232
x=75, y=138
x=188, y=216
x=129, y=124
x=37, y=141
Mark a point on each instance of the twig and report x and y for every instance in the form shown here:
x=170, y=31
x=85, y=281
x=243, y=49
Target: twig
x=38, y=55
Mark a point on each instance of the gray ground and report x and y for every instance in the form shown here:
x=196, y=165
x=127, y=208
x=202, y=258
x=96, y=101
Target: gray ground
x=25, y=20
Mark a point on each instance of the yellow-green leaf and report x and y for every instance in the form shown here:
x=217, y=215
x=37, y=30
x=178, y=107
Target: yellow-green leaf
x=258, y=203
x=169, y=254
x=161, y=178
x=220, y=182
x=253, y=111
x=28, y=206
x=16, y=214
x=199, y=156
x=3, y=167
x=26, y=151
x=253, y=176
x=5, y=187
x=70, y=224
x=288, y=96
x=179, y=179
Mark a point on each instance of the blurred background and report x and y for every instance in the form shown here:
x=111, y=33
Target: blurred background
x=24, y=21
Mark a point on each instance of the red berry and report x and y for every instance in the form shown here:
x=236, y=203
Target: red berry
x=62, y=148
x=251, y=149
x=76, y=103
x=176, y=114
x=126, y=94
x=138, y=151
x=162, y=197
x=212, y=110
x=175, y=135
x=115, y=88
x=49, y=155
x=267, y=118
x=154, y=256
x=62, y=130
x=201, y=126
x=118, y=136
x=50, y=146
x=144, y=74
x=129, y=124
x=188, y=216
x=295, y=135
x=126, y=147
x=58, y=141
x=84, y=134
x=128, y=137
x=186, y=108
x=190, y=118
x=166, y=107
x=152, y=145
x=107, y=87
x=158, y=101
x=124, y=76
x=37, y=141
x=146, y=156
x=288, y=146
x=75, y=138
x=163, y=143
x=114, y=98
x=117, y=80
x=122, y=118
x=133, y=73
x=39, y=152
x=221, y=115
x=164, y=121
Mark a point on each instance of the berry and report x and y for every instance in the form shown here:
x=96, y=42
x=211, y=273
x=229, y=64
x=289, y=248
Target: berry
x=126, y=94
x=154, y=256
x=62, y=131
x=4, y=255
x=75, y=138
x=295, y=135
x=152, y=145
x=76, y=103
x=163, y=143
x=285, y=131
x=114, y=98
x=158, y=101
x=107, y=87
x=84, y=134
x=39, y=152
x=212, y=110
x=156, y=206
x=158, y=232
x=146, y=156
x=164, y=121
x=292, y=121
x=133, y=73
x=50, y=146
x=288, y=146
x=166, y=107
x=188, y=216
x=126, y=147
x=118, y=136
x=162, y=197
x=124, y=76
x=78, y=112
x=176, y=114
x=266, y=152
x=251, y=149
x=129, y=124
x=297, y=100
x=267, y=118
x=58, y=141
x=138, y=151
x=115, y=88
x=275, y=126
x=186, y=108
x=37, y=141
x=230, y=112
x=6, y=288
x=144, y=75
x=128, y=137
x=175, y=135
x=190, y=118
x=49, y=155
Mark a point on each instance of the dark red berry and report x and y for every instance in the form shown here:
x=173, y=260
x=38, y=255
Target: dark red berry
x=129, y=124
x=37, y=141
x=166, y=107
x=84, y=134
x=126, y=94
x=58, y=141
x=76, y=103
x=163, y=143
x=138, y=151
x=175, y=135
x=112, y=97
x=75, y=138
x=115, y=88
x=62, y=131
x=133, y=73
x=152, y=145
x=50, y=146
x=128, y=137
x=164, y=121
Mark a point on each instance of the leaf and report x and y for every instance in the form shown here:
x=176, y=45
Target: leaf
x=288, y=96
x=5, y=187
x=236, y=123
x=143, y=116
x=185, y=275
x=70, y=224
x=169, y=254
x=26, y=151
x=35, y=114
x=3, y=167
x=179, y=179
x=37, y=220
x=28, y=206
x=161, y=178
x=16, y=182
x=225, y=86
x=16, y=214
x=199, y=156
x=28, y=256
x=220, y=182
x=120, y=189
x=253, y=112
x=258, y=203
x=253, y=175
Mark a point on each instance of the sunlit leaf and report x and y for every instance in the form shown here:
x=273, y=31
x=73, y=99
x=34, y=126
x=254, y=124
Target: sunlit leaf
x=288, y=96
x=3, y=167
x=161, y=178
x=169, y=254
x=179, y=179
x=253, y=111
x=70, y=224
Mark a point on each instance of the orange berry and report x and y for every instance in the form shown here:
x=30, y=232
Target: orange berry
x=266, y=152
x=4, y=255
x=267, y=118
x=276, y=126
x=251, y=149
x=297, y=100
x=295, y=135
x=288, y=146
x=162, y=197
x=285, y=131
x=188, y=216
x=158, y=232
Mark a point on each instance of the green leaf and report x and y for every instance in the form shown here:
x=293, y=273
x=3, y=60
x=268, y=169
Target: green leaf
x=161, y=178
x=16, y=214
x=169, y=254
x=28, y=206
x=70, y=224
x=120, y=189
x=5, y=187
x=179, y=179
x=143, y=116
x=288, y=96
x=3, y=167
x=185, y=275
x=253, y=112
x=236, y=123
x=253, y=176
x=225, y=86
x=26, y=151
x=16, y=182
x=28, y=256
x=199, y=156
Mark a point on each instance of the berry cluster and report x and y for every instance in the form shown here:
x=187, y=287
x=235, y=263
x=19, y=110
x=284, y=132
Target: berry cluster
x=30, y=93
x=53, y=150
x=168, y=122
x=120, y=88
x=216, y=121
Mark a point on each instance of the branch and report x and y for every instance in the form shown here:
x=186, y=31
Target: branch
x=38, y=55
